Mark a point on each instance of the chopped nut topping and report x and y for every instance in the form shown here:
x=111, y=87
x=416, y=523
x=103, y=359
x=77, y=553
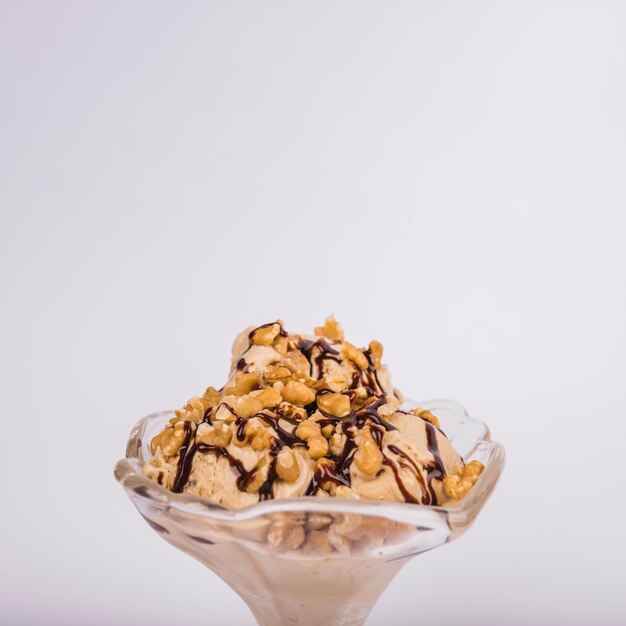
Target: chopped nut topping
x=218, y=435
x=335, y=383
x=336, y=443
x=308, y=429
x=325, y=467
x=226, y=409
x=285, y=392
x=389, y=408
x=331, y=330
x=244, y=383
x=247, y=406
x=268, y=397
x=335, y=404
x=275, y=373
x=318, y=446
x=376, y=351
x=459, y=484
x=192, y=415
x=265, y=335
x=169, y=440
x=212, y=396
x=329, y=429
x=287, y=465
x=355, y=355
x=281, y=344
x=343, y=491
x=198, y=405
x=426, y=415
x=262, y=440
x=232, y=407
x=296, y=361
x=297, y=393
x=290, y=411
x=368, y=457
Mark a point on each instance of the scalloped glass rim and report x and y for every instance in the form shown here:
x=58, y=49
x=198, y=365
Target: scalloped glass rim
x=470, y=437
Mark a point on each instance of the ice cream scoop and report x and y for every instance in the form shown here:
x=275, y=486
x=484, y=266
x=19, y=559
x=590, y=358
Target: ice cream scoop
x=307, y=415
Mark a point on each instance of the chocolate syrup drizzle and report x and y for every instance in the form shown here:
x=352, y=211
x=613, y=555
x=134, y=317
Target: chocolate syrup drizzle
x=338, y=473
x=323, y=352
x=408, y=463
x=436, y=468
x=266, y=489
x=185, y=458
x=371, y=375
x=324, y=474
x=285, y=437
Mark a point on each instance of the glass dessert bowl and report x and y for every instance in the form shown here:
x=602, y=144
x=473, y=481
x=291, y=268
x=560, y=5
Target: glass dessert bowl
x=353, y=547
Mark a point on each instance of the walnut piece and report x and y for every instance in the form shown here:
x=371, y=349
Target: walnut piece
x=247, y=406
x=307, y=429
x=335, y=404
x=218, y=435
x=389, y=408
x=459, y=484
x=376, y=352
x=317, y=446
x=265, y=335
x=287, y=465
x=291, y=412
x=368, y=457
x=297, y=393
x=244, y=383
x=212, y=396
x=170, y=440
x=275, y=373
x=331, y=330
x=352, y=353
x=268, y=397
x=426, y=415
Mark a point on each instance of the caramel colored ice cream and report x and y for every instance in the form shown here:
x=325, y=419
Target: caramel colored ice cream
x=307, y=416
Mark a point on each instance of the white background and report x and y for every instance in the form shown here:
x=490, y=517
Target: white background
x=448, y=178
